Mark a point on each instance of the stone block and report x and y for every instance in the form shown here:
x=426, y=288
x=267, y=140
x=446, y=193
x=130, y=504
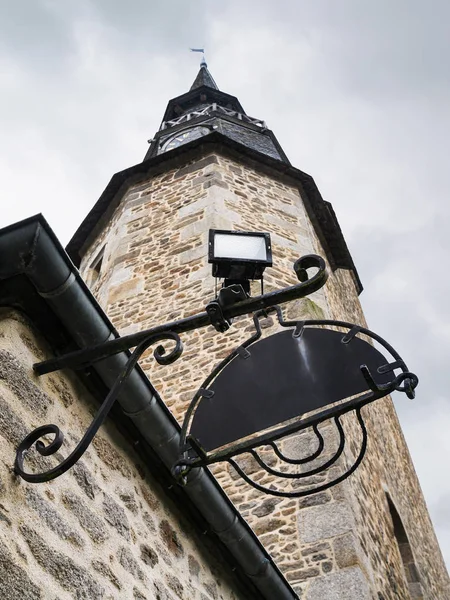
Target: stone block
x=129, y=563
x=215, y=182
x=128, y=498
x=104, y=569
x=125, y=290
x=283, y=242
x=115, y=516
x=12, y=427
x=85, y=480
x=300, y=575
x=92, y=524
x=18, y=380
x=267, y=507
x=149, y=556
x=3, y=517
x=198, y=228
x=325, y=521
x=151, y=500
x=52, y=518
x=111, y=457
x=416, y=591
x=171, y=539
x=176, y=586
x=160, y=592
x=61, y=389
x=348, y=584
x=267, y=525
x=192, y=254
x=138, y=595
x=327, y=566
x=194, y=566
x=306, y=443
x=303, y=310
x=346, y=551
x=195, y=166
x=14, y=581
x=314, y=499
x=73, y=577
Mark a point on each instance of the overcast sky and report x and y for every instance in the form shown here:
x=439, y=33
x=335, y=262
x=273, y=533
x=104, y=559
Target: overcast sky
x=358, y=94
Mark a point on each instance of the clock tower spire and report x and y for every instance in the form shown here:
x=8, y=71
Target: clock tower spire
x=204, y=110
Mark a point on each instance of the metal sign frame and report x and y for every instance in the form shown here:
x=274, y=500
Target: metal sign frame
x=193, y=455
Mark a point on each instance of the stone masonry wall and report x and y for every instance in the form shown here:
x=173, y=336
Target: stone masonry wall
x=103, y=530
x=388, y=470
x=337, y=544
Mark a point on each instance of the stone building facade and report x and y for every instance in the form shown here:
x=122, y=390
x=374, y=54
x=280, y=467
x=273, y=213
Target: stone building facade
x=105, y=529
x=370, y=536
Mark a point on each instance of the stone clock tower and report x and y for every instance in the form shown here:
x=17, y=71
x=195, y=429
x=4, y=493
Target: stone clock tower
x=143, y=251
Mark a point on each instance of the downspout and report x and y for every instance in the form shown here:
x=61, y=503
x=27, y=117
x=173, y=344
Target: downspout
x=30, y=248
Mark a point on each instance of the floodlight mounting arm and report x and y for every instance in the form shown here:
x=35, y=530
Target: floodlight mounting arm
x=218, y=313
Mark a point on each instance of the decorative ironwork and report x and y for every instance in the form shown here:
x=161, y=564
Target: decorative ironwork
x=218, y=313
x=53, y=447
x=321, y=374
x=260, y=393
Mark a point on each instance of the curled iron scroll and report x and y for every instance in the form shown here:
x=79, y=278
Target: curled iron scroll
x=216, y=434
x=322, y=469
x=34, y=438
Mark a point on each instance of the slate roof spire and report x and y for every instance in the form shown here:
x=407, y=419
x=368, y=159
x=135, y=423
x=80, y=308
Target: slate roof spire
x=205, y=110
x=204, y=77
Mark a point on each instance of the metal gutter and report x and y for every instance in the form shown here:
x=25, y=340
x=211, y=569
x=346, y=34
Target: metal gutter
x=30, y=248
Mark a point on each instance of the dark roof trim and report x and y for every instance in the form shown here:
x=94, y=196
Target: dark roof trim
x=320, y=212
x=30, y=250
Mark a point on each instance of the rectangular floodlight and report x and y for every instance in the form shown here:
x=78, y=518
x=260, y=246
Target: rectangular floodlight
x=239, y=255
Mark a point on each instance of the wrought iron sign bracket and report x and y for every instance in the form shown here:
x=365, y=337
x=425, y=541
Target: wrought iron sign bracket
x=254, y=367
x=218, y=313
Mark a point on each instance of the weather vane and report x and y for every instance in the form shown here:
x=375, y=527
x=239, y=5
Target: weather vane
x=202, y=50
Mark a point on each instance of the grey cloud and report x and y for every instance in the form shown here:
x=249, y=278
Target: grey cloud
x=34, y=34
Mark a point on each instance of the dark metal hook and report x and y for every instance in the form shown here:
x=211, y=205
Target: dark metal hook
x=404, y=382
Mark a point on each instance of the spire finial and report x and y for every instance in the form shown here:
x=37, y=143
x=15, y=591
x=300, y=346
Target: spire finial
x=204, y=77
x=202, y=50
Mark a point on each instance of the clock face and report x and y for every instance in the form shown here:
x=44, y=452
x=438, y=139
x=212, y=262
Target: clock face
x=183, y=137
